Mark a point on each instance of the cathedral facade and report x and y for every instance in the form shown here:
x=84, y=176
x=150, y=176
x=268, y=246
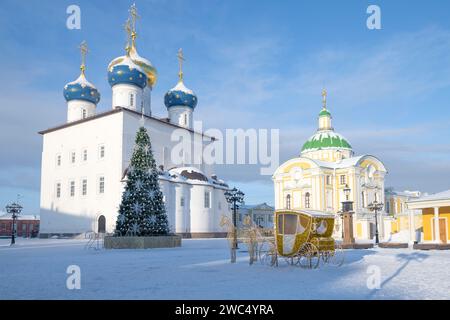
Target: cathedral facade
x=327, y=166
x=84, y=161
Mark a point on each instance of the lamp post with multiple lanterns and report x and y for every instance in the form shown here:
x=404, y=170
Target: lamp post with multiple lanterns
x=235, y=197
x=14, y=209
x=376, y=206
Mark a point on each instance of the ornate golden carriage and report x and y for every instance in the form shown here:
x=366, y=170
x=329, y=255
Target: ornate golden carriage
x=304, y=238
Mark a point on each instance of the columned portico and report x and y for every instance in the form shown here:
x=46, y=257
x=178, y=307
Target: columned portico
x=436, y=234
x=436, y=217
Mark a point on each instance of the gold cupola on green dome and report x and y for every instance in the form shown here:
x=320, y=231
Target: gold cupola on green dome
x=326, y=139
x=143, y=63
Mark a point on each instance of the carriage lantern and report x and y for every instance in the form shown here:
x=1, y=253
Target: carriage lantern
x=14, y=209
x=234, y=197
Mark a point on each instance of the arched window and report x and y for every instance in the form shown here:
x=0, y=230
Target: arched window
x=102, y=224
x=131, y=100
x=307, y=200
x=288, y=201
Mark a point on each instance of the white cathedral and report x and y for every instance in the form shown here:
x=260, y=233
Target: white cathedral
x=84, y=161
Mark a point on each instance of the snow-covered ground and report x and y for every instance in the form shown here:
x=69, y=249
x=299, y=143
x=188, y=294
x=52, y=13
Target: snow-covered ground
x=200, y=269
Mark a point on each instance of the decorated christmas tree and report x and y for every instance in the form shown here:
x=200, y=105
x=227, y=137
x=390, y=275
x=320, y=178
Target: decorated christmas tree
x=142, y=211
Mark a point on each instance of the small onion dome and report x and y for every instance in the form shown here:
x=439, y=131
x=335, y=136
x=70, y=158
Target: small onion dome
x=180, y=96
x=81, y=89
x=146, y=66
x=324, y=140
x=123, y=70
x=324, y=113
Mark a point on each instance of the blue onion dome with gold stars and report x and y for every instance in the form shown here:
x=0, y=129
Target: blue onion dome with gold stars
x=81, y=89
x=180, y=96
x=123, y=70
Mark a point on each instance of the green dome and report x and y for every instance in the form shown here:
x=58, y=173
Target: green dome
x=326, y=140
x=324, y=112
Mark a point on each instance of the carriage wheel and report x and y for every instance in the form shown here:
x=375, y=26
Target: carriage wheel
x=308, y=256
x=338, y=257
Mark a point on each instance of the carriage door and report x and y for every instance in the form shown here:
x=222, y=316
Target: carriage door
x=102, y=224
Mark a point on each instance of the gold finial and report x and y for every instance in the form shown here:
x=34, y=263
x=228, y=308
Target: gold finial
x=324, y=98
x=180, y=61
x=128, y=30
x=133, y=16
x=84, y=50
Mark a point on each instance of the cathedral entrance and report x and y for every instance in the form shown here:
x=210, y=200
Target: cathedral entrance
x=101, y=224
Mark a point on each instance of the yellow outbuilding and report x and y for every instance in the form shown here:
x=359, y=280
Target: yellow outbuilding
x=435, y=216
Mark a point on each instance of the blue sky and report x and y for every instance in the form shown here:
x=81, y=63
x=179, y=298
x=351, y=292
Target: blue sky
x=253, y=64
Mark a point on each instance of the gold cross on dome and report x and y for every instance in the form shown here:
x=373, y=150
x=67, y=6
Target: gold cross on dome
x=324, y=98
x=128, y=30
x=84, y=50
x=180, y=61
x=134, y=16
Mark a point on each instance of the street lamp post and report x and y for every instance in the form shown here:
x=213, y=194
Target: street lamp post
x=14, y=209
x=234, y=197
x=376, y=206
x=347, y=218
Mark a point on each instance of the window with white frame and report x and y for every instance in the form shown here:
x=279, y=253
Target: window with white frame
x=219, y=205
x=207, y=199
x=58, y=160
x=85, y=155
x=363, y=199
x=72, y=188
x=73, y=156
x=307, y=200
x=288, y=201
x=101, y=185
x=102, y=151
x=83, y=114
x=328, y=180
x=131, y=99
x=342, y=179
x=84, y=187
x=182, y=202
x=58, y=189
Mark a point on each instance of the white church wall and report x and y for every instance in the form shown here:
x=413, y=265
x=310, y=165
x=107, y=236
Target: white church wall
x=78, y=213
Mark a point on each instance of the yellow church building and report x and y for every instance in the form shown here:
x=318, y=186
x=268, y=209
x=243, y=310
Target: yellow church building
x=316, y=179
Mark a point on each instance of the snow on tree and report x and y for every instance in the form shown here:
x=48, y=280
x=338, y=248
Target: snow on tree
x=142, y=211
